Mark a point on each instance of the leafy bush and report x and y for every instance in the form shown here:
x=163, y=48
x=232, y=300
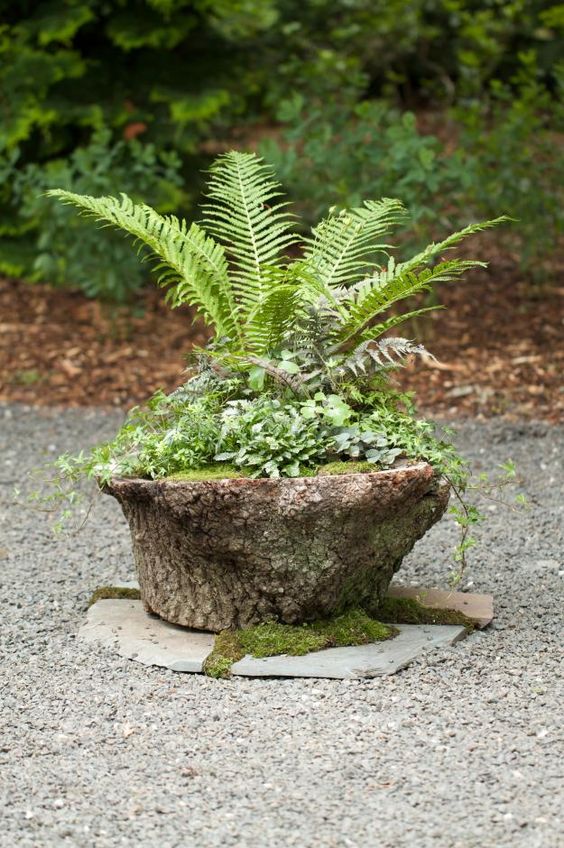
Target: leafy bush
x=50, y=244
x=438, y=50
x=503, y=158
x=344, y=152
x=172, y=74
x=507, y=160
x=82, y=84
x=297, y=373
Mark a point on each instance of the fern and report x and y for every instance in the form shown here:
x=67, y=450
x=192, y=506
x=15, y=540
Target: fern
x=371, y=357
x=287, y=291
x=191, y=264
x=434, y=249
x=241, y=217
x=394, y=284
x=303, y=324
x=343, y=245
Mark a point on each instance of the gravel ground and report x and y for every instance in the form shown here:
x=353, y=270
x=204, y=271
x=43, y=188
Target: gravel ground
x=459, y=751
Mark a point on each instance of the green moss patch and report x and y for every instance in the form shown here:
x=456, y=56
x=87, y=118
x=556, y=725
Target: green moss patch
x=410, y=611
x=347, y=468
x=271, y=639
x=227, y=650
x=220, y=471
x=105, y=593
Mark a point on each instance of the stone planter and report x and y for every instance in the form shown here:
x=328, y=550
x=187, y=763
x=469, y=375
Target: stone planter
x=235, y=552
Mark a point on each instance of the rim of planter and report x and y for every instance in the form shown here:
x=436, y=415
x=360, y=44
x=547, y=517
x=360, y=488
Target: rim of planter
x=412, y=465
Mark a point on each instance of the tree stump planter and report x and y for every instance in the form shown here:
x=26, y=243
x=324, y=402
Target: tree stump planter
x=235, y=552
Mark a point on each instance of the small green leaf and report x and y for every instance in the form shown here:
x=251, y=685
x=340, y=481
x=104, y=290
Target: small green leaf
x=256, y=378
x=289, y=366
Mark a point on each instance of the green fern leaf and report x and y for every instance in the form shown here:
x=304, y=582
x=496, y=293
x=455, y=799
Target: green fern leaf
x=377, y=330
x=434, y=249
x=388, y=287
x=192, y=264
x=290, y=290
x=344, y=245
x=242, y=217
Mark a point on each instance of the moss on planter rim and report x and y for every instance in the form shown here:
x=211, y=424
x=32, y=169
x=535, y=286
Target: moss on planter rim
x=350, y=467
x=219, y=471
x=223, y=471
x=271, y=639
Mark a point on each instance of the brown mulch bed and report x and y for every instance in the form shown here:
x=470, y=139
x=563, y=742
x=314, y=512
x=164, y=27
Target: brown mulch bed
x=500, y=348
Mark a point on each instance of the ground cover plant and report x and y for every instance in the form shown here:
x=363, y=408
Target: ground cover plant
x=298, y=372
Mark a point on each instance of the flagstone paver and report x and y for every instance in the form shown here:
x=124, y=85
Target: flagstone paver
x=477, y=607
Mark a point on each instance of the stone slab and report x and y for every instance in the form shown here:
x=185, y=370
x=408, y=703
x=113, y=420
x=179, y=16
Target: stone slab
x=374, y=660
x=477, y=607
x=127, y=628
x=133, y=633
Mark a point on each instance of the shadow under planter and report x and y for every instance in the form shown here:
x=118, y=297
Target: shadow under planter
x=226, y=553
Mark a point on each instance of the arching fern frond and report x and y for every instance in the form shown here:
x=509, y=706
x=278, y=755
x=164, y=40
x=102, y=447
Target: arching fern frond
x=383, y=289
x=288, y=290
x=303, y=321
x=191, y=264
x=241, y=215
x=344, y=245
x=371, y=357
x=437, y=248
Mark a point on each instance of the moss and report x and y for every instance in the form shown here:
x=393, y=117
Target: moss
x=227, y=650
x=271, y=639
x=347, y=468
x=222, y=471
x=219, y=471
x=114, y=593
x=410, y=611
x=354, y=627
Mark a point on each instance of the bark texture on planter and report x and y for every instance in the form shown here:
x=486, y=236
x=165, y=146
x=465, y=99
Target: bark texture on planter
x=234, y=552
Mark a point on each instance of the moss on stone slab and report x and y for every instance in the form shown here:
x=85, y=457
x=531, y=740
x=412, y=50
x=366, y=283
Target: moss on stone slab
x=347, y=468
x=105, y=593
x=219, y=471
x=227, y=649
x=271, y=639
x=411, y=611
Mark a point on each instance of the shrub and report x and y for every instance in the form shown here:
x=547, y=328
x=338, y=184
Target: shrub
x=50, y=244
x=99, y=94
x=500, y=157
x=342, y=153
x=507, y=160
x=171, y=74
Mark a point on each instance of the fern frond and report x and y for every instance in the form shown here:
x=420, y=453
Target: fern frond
x=371, y=357
x=434, y=249
x=376, y=330
x=191, y=264
x=242, y=217
x=343, y=246
x=392, y=285
x=288, y=291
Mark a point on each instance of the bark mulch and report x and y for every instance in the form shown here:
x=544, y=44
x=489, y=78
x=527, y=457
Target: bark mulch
x=499, y=345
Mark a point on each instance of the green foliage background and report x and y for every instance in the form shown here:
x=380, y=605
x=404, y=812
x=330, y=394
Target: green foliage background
x=109, y=95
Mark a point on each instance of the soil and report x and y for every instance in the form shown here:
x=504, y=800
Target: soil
x=499, y=346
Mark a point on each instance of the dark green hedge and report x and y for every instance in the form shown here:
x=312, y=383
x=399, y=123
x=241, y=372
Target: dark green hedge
x=109, y=95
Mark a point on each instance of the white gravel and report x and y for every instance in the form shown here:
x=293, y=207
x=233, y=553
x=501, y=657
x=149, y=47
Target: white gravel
x=459, y=751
